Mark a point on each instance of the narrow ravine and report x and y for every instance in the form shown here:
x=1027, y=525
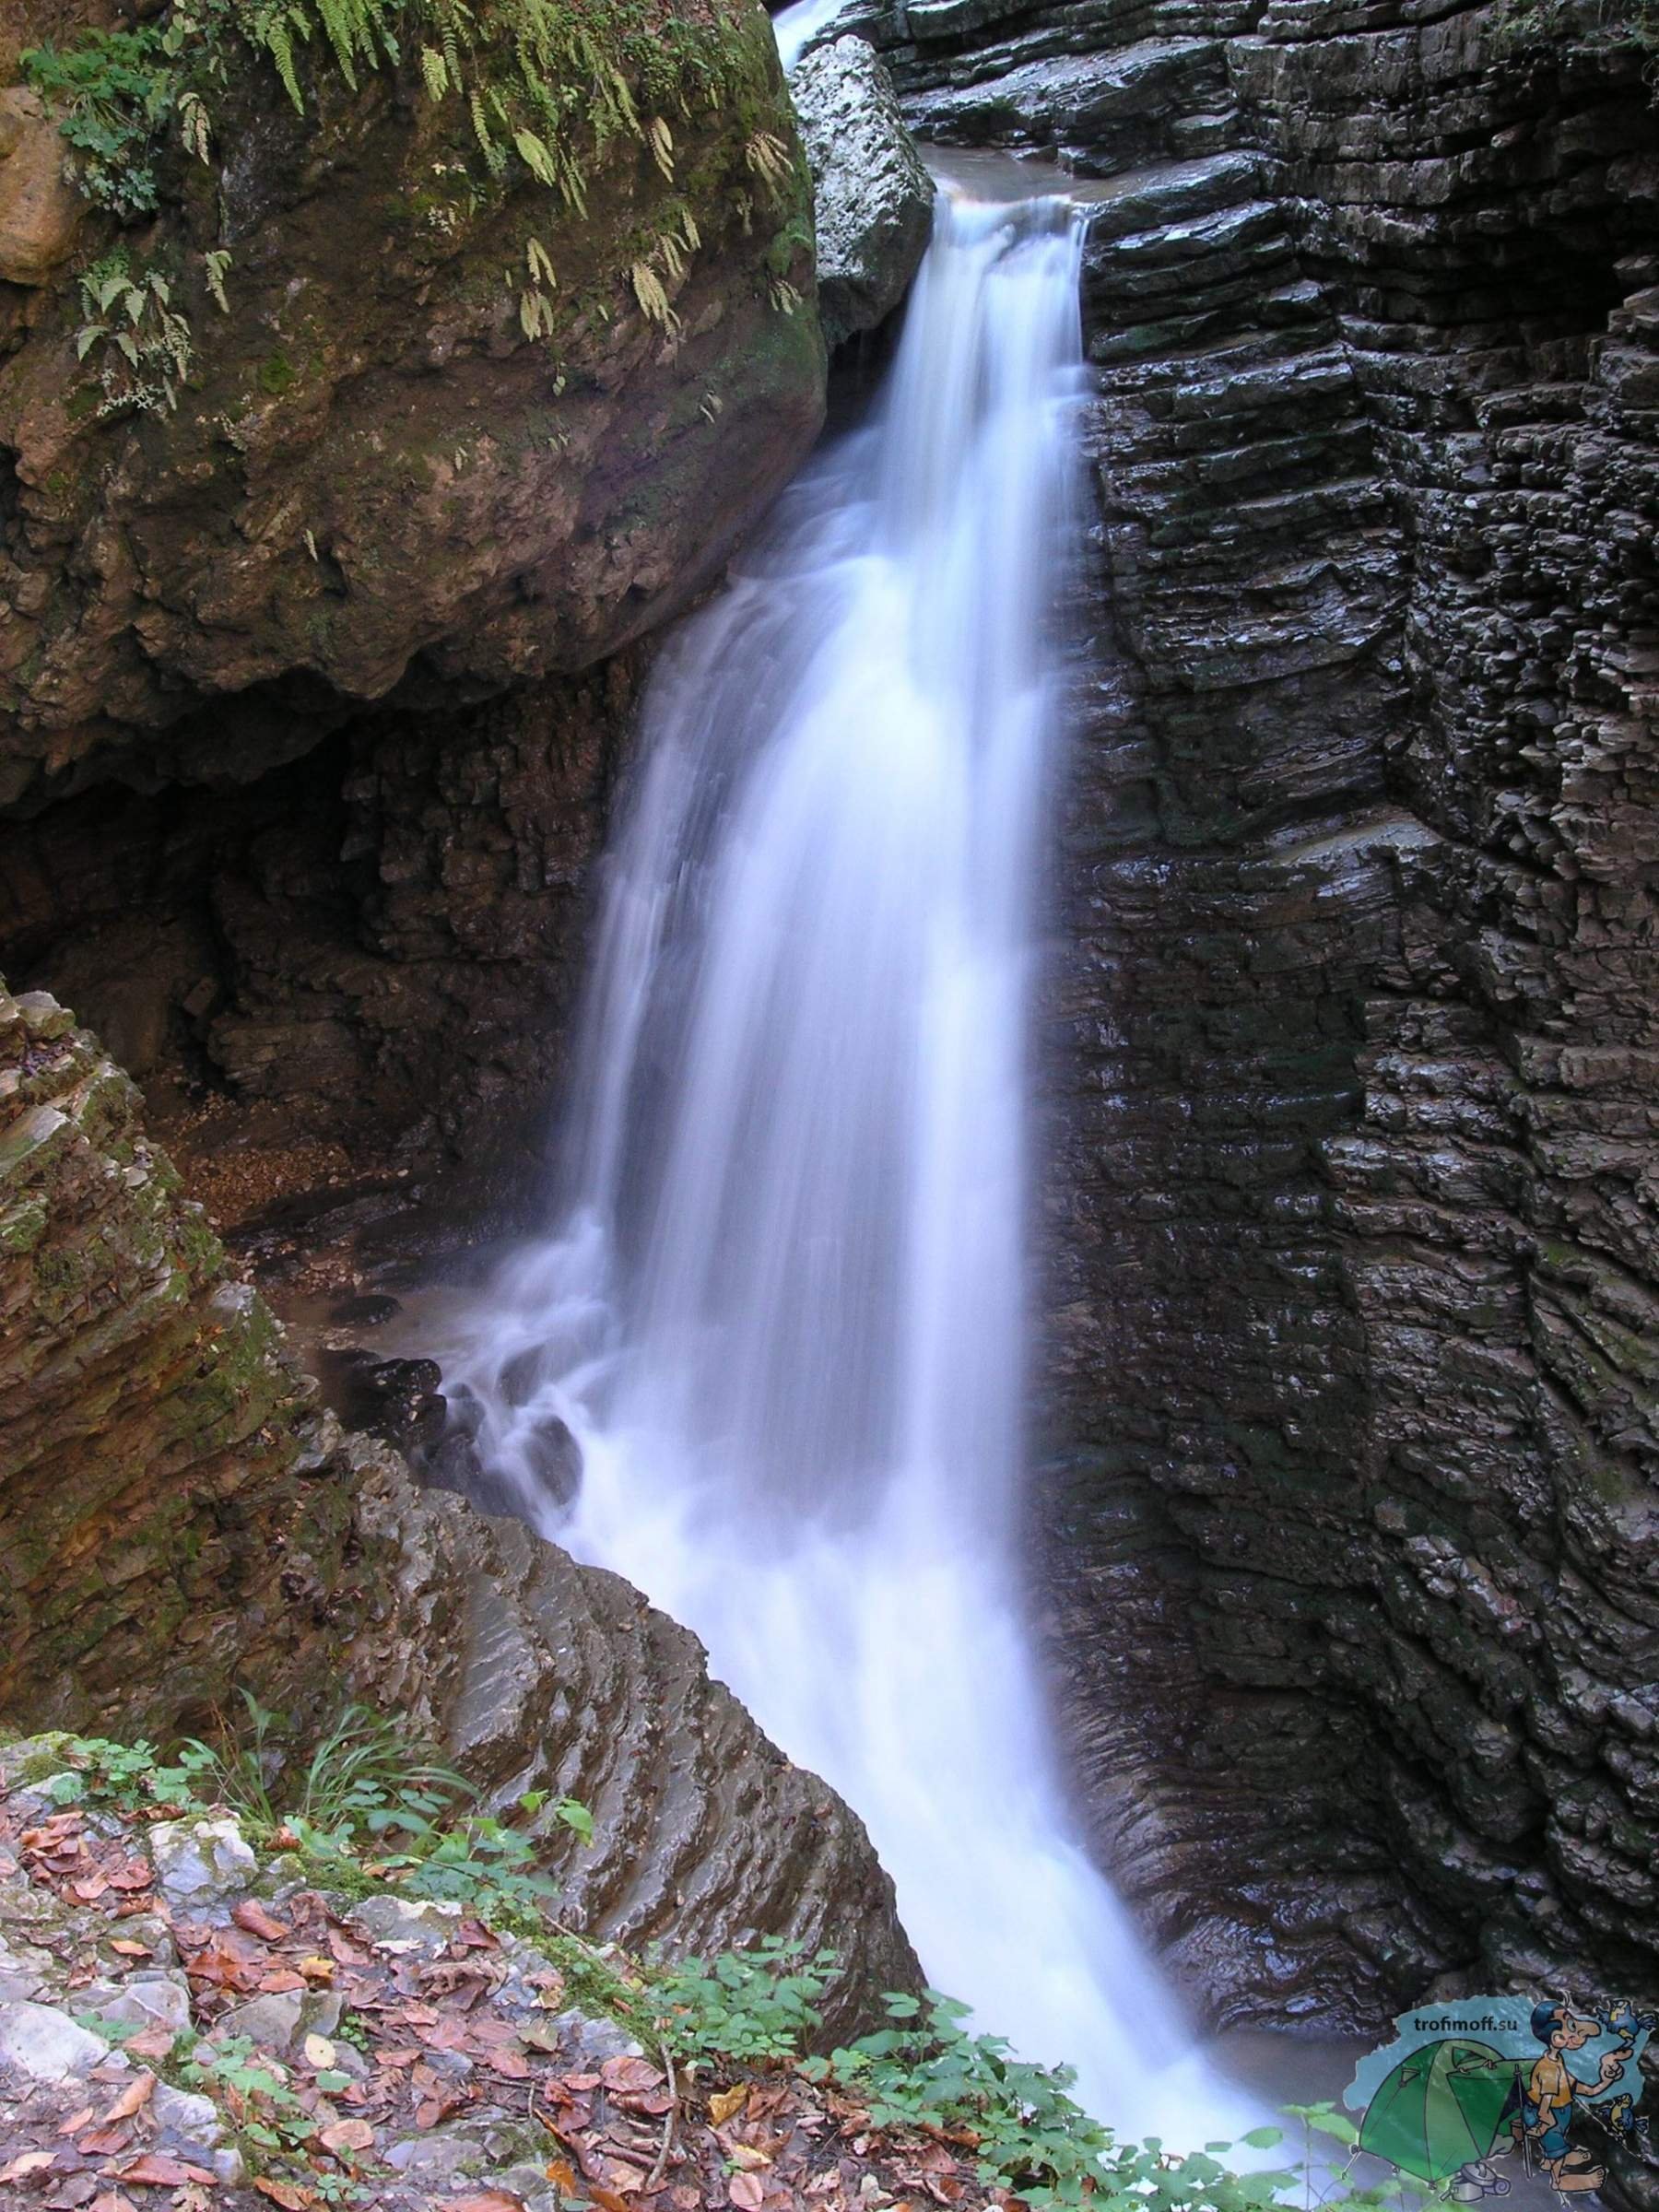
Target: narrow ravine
x=784, y=1312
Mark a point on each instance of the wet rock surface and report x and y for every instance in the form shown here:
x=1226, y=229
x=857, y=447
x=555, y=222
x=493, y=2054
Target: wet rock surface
x=872, y=197
x=1354, y=1545
x=363, y=964
x=179, y=1518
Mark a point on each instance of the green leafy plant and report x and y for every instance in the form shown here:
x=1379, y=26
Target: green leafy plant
x=1519, y=26
x=143, y=343
x=133, y=1778
x=364, y=1775
x=758, y=2006
x=115, y=91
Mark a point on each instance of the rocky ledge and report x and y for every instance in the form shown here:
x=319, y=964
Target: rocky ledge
x=181, y=1522
x=404, y=405
x=195, y=2011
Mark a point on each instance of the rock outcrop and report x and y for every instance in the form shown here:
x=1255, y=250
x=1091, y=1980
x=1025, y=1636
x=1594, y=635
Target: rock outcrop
x=449, y=427
x=375, y=948
x=179, y=1519
x=872, y=197
x=1355, y=1539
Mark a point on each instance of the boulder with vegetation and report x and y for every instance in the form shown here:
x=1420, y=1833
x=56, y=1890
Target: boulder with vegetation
x=398, y=343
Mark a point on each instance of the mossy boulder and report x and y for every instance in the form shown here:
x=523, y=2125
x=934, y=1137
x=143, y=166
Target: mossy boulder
x=451, y=426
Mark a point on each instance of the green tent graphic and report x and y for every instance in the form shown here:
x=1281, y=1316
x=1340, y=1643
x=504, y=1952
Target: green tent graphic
x=1439, y=2109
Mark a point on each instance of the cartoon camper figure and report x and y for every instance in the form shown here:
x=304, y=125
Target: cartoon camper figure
x=1486, y=2079
x=1554, y=2094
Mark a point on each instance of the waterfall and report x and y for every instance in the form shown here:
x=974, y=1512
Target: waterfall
x=784, y=1312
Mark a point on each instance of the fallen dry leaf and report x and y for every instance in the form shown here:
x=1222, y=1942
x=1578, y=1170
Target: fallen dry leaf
x=486, y=2200
x=347, y=2135
x=104, y=2142
x=251, y=1915
x=317, y=1970
x=726, y=2103
x=130, y=2101
x=746, y=2156
x=152, y=2042
x=630, y=2074
x=129, y=1950
x=277, y=1978
x=25, y=2163
x=746, y=2192
x=112, y=2200
x=76, y=2121
x=157, y=2170
x=289, y=2194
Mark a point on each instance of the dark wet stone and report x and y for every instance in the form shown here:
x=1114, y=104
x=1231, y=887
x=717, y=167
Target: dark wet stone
x=367, y=1311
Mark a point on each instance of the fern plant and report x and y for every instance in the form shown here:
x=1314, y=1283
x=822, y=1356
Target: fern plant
x=144, y=344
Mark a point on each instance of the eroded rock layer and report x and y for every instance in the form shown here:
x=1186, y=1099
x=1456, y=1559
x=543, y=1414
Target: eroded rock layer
x=178, y=1519
x=1355, y=1548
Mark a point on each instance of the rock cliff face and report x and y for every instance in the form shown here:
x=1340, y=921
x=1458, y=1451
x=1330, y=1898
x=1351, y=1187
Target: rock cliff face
x=447, y=427
x=178, y=1518
x=1355, y=1542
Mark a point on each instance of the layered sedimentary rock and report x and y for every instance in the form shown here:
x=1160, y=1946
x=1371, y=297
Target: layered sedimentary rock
x=178, y=1519
x=1356, y=1546
x=447, y=427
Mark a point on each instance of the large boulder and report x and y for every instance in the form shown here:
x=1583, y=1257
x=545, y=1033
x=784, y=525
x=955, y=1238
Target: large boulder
x=40, y=209
x=444, y=417
x=874, y=198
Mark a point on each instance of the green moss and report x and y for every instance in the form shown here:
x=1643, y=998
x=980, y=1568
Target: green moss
x=22, y=1228
x=276, y=375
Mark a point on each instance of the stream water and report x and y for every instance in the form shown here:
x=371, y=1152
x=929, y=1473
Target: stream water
x=784, y=1309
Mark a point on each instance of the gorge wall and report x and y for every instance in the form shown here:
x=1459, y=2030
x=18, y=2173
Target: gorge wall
x=1354, y=1544
x=1352, y=1557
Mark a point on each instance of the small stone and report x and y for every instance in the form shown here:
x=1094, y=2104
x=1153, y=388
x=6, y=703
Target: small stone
x=196, y=2121
x=146, y=2000
x=46, y=2043
x=199, y=1864
x=407, y=1924
x=588, y=2038
x=436, y=2157
x=276, y=2022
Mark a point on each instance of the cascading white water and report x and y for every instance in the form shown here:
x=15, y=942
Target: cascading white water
x=784, y=1315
